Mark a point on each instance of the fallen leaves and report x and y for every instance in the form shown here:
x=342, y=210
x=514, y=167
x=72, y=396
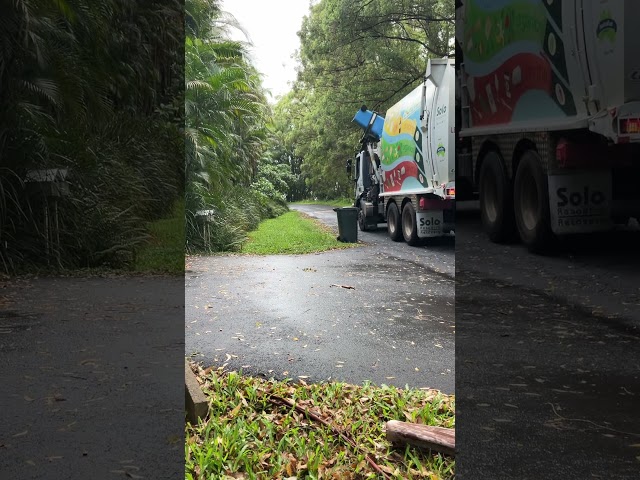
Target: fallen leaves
x=324, y=430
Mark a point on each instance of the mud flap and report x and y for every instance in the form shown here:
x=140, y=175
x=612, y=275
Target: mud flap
x=580, y=202
x=430, y=224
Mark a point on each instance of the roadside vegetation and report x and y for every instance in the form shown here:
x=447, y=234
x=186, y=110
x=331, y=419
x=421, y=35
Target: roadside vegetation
x=252, y=434
x=163, y=252
x=235, y=171
x=340, y=202
x=291, y=233
x=95, y=93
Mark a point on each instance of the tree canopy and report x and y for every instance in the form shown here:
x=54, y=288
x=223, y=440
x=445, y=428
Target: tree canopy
x=355, y=52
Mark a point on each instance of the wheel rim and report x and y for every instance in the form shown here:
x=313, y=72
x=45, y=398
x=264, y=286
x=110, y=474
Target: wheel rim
x=490, y=198
x=529, y=201
x=392, y=221
x=529, y=204
x=407, y=223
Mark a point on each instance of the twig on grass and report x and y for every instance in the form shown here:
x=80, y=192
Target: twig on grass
x=273, y=398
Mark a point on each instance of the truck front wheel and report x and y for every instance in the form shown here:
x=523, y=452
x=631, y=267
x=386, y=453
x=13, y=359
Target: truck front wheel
x=409, y=226
x=393, y=222
x=362, y=216
x=496, y=204
x=531, y=202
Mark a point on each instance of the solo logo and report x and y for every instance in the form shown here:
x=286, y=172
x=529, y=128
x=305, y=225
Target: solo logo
x=586, y=198
x=441, y=110
x=607, y=27
x=428, y=222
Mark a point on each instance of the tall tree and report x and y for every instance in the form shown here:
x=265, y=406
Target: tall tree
x=352, y=53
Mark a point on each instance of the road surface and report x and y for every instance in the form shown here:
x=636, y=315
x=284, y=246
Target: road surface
x=547, y=363
x=92, y=378
x=289, y=315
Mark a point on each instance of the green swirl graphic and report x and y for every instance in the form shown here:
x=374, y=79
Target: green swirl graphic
x=393, y=151
x=487, y=33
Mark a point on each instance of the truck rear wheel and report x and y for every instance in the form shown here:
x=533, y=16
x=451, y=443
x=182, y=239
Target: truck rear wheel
x=531, y=203
x=409, y=225
x=393, y=222
x=496, y=203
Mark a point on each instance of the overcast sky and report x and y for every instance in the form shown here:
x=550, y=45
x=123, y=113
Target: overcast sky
x=272, y=26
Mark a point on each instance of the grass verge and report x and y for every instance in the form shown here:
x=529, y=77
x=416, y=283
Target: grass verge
x=341, y=202
x=164, y=253
x=291, y=233
x=248, y=436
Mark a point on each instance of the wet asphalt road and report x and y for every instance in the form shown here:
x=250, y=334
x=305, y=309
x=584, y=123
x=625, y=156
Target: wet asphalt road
x=547, y=358
x=92, y=378
x=280, y=316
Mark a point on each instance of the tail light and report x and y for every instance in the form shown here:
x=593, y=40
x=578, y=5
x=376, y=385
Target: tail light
x=629, y=126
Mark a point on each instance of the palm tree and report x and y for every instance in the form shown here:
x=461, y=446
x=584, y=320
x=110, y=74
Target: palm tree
x=225, y=110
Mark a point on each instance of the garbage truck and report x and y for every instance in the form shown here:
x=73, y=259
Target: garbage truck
x=405, y=168
x=549, y=100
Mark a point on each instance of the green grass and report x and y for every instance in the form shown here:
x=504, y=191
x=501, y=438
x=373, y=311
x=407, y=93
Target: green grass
x=248, y=436
x=164, y=253
x=291, y=233
x=341, y=202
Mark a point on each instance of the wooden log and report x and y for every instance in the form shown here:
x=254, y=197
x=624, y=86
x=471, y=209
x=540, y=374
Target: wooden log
x=195, y=400
x=426, y=437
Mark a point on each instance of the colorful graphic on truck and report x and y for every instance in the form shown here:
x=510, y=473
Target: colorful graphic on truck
x=401, y=144
x=514, y=55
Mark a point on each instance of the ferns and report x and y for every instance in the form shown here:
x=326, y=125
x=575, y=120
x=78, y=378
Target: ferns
x=91, y=87
x=226, y=135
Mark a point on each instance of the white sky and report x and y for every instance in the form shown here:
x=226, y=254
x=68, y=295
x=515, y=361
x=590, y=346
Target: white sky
x=272, y=26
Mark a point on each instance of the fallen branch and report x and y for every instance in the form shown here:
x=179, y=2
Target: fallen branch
x=343, y=286
x=604, y=427
x=277, y=399
x=426, y=437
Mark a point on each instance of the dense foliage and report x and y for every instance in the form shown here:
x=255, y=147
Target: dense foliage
x=99, y=90
x=355, y=52
x=234, y=175
x=93, y=88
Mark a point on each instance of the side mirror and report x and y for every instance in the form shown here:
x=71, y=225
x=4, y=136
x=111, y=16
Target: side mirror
x=349, y=163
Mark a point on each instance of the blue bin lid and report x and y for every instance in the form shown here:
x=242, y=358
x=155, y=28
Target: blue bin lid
x=363, y=118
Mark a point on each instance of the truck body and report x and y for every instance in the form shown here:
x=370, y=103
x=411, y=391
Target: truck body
x=405, y=169
x=549, y=104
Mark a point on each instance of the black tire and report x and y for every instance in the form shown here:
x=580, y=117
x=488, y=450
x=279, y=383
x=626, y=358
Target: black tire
x=409, y=225
x=531, y=204
x=496, y=201
x=393, y=222
x=362, y=219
